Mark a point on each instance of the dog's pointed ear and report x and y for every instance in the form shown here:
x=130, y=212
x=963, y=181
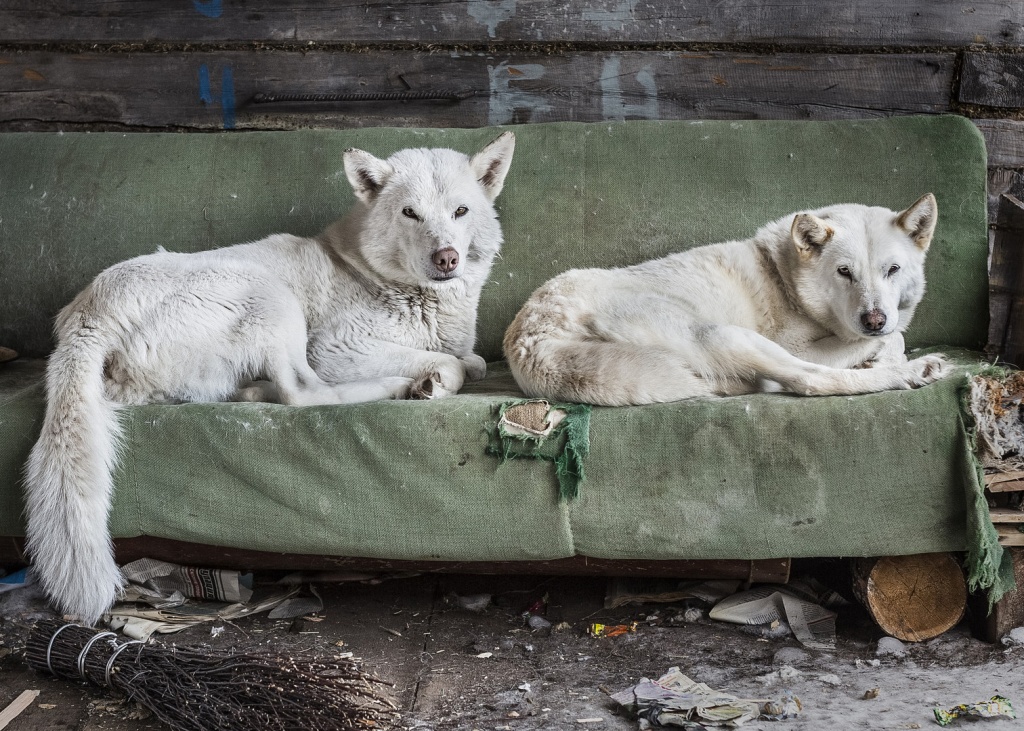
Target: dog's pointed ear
x=919, y=220
x=809, y=233
x=366, y=173
x=491, y=164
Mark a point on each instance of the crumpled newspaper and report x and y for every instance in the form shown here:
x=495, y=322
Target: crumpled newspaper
x=676, y=700
x=995, y=706
x=163, y=597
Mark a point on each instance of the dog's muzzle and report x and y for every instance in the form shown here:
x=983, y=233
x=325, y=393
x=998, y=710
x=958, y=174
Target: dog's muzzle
x=446, y=263
x=873, y=322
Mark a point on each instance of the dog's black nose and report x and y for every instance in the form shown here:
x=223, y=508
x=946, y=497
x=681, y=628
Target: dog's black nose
x=873, y=321
x=446, y=260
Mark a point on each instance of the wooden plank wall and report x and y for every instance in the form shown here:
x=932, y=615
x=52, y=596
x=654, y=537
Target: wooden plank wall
x=199, y=65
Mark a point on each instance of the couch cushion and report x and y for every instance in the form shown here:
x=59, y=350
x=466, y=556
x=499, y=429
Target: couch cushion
x=747, y=477
x=576, y=195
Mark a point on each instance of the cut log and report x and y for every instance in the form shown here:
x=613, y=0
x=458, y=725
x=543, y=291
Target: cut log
x=912, y=598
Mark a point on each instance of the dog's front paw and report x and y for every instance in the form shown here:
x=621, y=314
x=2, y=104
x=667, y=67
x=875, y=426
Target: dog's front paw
x=431, y=386
x=396, y=387
x=258, y=391
x=926, y=369
x=426, y=387
x=476, y=367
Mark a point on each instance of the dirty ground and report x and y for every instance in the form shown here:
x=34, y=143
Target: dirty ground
x=453, y=668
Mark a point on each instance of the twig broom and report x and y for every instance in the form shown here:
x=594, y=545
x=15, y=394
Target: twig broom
x=203, y=689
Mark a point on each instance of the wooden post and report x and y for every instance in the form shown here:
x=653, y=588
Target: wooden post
x=1006, y=282
x=912, y=598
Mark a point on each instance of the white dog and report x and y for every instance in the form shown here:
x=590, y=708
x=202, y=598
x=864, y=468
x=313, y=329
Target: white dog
x=801, y=307
x=382, y=304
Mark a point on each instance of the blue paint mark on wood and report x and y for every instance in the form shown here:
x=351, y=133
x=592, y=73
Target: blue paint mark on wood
x=204, y=85
x=227, y=97
x=211, y=8
x=227, y=92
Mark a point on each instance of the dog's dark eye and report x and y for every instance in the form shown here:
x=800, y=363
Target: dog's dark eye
x=845, y=272
x=410, y=213
x=461, y=211
x=893, y=269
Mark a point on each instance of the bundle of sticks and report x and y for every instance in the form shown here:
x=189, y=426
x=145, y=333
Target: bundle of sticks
x=202, y=689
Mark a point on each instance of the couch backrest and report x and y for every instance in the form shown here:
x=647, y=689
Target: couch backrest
x=577, y=195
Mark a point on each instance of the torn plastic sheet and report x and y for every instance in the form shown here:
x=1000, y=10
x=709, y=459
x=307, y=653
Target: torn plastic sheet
x=813, y=625
x=17, y=580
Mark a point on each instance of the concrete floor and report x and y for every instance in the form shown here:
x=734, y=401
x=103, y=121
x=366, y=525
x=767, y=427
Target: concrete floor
x=413, y=633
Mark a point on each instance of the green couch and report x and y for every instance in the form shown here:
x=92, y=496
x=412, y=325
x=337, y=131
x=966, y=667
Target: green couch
x=746, y=478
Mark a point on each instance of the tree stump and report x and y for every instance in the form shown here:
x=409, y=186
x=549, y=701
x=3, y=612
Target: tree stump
x=912, y=598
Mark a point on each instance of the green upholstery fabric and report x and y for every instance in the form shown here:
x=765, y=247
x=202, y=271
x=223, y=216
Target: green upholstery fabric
x=577, y=195
x=747, y=477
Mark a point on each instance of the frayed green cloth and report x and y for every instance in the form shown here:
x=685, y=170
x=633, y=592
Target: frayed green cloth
x=989, y=567
x=567, y=444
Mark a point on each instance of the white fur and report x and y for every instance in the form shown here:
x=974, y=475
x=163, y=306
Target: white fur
x=790, y=309
x=359, y=313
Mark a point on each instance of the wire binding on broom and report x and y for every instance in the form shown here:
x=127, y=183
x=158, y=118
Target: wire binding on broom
x=204, y=689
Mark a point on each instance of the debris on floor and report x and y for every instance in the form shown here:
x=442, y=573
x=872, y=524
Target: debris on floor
x=163, y=597
x=789, y=706
x=610, y=630
x=625, y=591
x=798, y=605
x=676, y=700
x=17, y=580
x=19, y=704
x=994, y=707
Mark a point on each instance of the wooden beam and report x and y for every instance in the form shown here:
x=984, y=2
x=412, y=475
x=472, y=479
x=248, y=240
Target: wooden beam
x=1007, y=516
x=195, y=554
x=1008, y=612
x=850, y=23
x=1010, y=535
x=993, y=80
x=1004, y=139
x=1004, y=481
x=1006, y=286
x=41, y=90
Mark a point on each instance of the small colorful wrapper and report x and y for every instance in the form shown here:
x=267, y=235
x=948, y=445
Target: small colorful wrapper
x=995, y=706
x=610, y=630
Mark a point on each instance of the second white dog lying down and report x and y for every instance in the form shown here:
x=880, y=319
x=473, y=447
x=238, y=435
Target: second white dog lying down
x=805, y=306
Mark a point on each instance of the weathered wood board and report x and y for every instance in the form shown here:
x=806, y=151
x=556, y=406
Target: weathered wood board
x=993, y=80
x=1004, y=139
x=1006, y=288
x=850, y=23
x=208, y=90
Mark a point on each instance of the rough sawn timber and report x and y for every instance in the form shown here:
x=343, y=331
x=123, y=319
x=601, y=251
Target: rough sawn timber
x=857, y=23
x=212, y=90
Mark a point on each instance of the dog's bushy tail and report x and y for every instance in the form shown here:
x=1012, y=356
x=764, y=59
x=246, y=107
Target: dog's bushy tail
x=69, y=479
